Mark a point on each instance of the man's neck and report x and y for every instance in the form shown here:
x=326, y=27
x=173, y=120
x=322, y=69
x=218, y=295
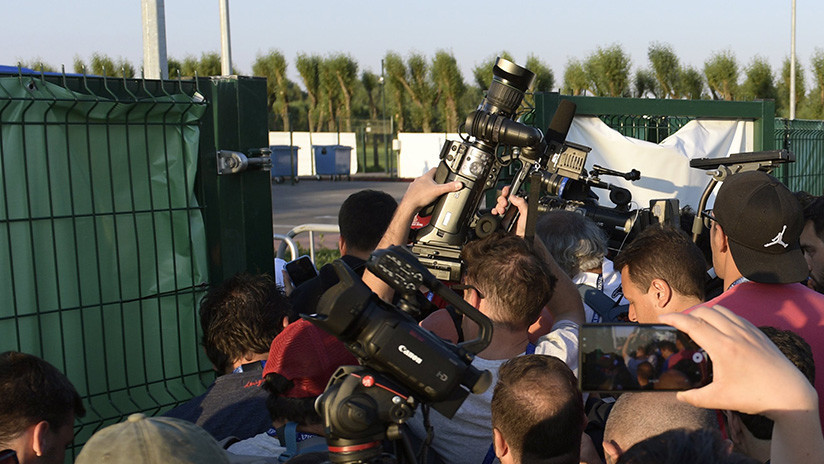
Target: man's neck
x=506, y=343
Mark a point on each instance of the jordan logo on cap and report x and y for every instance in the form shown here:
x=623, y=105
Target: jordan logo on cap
x=778, y=240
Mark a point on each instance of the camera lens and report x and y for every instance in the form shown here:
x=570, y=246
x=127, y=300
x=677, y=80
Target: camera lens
x=509, y=82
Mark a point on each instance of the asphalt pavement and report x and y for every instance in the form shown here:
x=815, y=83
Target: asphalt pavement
x=313, y=201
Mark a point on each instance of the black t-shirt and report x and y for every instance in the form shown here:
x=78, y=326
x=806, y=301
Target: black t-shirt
x=306, y=296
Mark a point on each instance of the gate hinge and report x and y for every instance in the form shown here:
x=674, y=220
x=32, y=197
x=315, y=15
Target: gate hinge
x=233, y=162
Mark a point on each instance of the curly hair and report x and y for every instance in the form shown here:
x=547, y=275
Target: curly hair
x=575, y=241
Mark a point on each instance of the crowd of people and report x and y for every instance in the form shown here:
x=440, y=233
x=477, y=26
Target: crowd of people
x=762, y=334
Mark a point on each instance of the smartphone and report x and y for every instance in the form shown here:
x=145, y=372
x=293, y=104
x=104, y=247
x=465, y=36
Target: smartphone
x=300, y=270
x=622, y=357
x=8, y=457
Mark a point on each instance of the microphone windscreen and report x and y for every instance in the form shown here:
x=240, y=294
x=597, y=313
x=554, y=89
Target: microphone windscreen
x=559, y=126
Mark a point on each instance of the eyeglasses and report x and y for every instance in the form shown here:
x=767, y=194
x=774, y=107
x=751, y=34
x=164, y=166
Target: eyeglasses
x=708, y=218
x=463, y=287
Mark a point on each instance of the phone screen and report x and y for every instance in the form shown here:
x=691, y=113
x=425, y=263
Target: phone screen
x=300, y=270
x=640, y=357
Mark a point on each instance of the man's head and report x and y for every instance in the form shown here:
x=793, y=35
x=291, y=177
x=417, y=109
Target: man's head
x=38, y=405
x=240, y=317
x=756, y=229
x=537, y=411
x=638, y=416
x=747, y=429
x=363, y=218
x=514, y=281
x=812, y=243
x=575, y=241
x=662, y=271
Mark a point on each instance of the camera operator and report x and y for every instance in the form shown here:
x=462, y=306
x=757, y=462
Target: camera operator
x=508, y=280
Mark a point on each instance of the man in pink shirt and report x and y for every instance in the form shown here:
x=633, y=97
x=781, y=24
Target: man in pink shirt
x=755, y=227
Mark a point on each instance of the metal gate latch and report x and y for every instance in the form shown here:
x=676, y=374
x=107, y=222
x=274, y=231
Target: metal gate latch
x=233, y=162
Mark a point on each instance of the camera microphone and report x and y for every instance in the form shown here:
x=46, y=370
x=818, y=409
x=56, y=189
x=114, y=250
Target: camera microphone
x=558, y=129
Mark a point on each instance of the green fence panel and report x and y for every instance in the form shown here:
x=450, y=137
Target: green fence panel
x=805, y=139
x=103, y=254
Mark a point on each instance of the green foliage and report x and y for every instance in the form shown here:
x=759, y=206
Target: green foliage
x=450, y=87
x=544, y=78
x=396, y=93
x=37, y=64
x=759, y=83
x=103, y=65
x=607, y=71
x=323, y=255
x=690, y=84
x=309, y=70
x=345, y=71
x=272, y=66
x=645, y=85
x=665, y=68
x=782, y=100
x=371, y=85
x=576, y=81
x=721, y=71
x=817, y=92
x=175, y=68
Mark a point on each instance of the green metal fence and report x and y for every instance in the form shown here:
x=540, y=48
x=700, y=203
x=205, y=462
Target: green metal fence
x=805, y=139
x=113, y=224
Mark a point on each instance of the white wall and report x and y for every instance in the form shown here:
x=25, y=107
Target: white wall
x=420, y=152
x=305, y=152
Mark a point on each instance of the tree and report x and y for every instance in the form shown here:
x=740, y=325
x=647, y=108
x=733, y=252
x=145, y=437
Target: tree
x=665, y=68
x=419, y=88
x=345, y=70
x=721, y=71
x=645, y=84
x=690, y=84
x=330, y=94
x=272, y=66
x=449, y=88
x=782, y=99
x=576, y=81
x=37, y=64
x=608, y=71
x=103, y=65
x=175, y=68
x=817, y=92
x=309, y=69
x=759, y=83
x=544, y=78
x=395, y=75
x=370, y=82
x=483, y=72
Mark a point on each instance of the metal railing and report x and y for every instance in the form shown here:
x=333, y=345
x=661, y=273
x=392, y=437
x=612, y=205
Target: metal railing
x=311, y=229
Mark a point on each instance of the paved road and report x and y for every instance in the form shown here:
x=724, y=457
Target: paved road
x=317, y=202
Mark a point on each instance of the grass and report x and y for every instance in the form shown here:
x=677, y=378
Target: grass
x=323, y=255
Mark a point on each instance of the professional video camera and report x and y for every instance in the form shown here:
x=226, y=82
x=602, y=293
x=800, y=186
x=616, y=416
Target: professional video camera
x=403, y=364
x=495, y=140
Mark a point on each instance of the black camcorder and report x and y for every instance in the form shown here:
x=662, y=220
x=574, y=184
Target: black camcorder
x=403, y=365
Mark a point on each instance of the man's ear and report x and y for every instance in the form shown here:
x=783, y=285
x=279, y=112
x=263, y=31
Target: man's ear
x=734, y=427
x=341, y=245
x=721, y=240
x=40, y=438
x=612, y=451
x=662, y=292
x=501, y=448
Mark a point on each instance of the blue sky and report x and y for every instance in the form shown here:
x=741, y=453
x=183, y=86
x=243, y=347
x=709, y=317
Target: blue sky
x=56, y=31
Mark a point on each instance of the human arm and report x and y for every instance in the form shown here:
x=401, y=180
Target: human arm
x=751, y=375
x=566, y=302
x=421, y=192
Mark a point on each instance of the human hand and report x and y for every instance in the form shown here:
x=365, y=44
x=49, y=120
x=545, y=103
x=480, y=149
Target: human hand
x=424, y=190
x=750, y=374
x=503, y=201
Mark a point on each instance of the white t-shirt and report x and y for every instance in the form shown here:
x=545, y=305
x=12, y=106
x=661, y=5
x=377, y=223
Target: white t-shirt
x=467, y=436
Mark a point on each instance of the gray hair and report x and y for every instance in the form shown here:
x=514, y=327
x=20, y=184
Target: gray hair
x=575, y=241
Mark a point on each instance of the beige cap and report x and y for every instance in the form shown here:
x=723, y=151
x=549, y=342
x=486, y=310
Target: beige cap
x=151, y=440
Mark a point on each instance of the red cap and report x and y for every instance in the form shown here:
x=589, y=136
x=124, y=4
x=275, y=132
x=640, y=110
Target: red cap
x=308, y=356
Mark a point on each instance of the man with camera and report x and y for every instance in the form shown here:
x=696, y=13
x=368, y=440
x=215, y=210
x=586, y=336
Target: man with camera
x=812, y=243
x=756, y=223
x=510, y=281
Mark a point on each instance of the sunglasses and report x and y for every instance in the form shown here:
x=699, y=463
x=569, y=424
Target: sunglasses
x=463, y=287
x=708, y=218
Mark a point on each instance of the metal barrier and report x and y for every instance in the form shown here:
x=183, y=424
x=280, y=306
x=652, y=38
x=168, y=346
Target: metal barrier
x=311, y=229
x=293, y=247
x=804, y=138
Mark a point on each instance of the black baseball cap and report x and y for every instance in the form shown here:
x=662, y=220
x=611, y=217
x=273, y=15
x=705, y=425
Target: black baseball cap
x=763, y=221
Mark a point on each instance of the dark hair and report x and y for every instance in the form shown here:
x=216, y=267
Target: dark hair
x=681, y=446
x=667, y=345
x=364, y=217
x=815, y=212
x=798, y=351
x=664, y=252
x=32, y=390
x=538, y=409
x=507, y=271
x=242, y=315
x=299, y=410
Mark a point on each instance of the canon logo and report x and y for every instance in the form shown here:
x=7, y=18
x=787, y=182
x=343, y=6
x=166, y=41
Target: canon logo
x=409, y=354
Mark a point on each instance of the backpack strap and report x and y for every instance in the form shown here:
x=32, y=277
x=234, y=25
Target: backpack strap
x=457, y=320
x=289, y=438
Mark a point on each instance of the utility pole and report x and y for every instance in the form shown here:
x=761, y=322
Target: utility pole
x=792, y=65
x=383, y=118
x=155, y=62
x=225, y=40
